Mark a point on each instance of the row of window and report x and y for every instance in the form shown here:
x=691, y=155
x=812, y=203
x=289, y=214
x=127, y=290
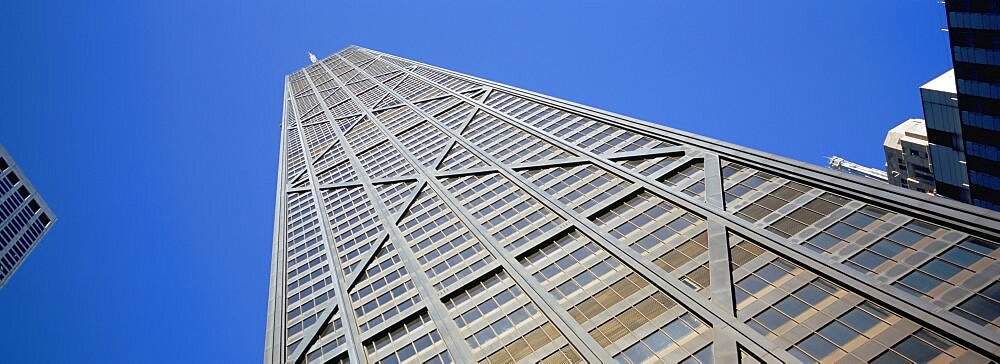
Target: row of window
x=925, y=260
x=622, y=311
x=588, y=134
x=496, y=316
x=514, y=218
x=507, y=143
x=580, y=187
x=672, y=238
x=820, y=320
x=415, y=340
x=446, y=250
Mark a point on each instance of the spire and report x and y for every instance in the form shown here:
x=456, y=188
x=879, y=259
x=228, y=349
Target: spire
x=312, y=57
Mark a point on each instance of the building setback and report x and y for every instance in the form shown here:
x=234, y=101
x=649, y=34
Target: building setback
x=24, y=217
x=974, y=31
x=423, y=215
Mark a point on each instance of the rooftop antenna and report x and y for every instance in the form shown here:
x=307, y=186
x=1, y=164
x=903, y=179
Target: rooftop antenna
x=312, y=57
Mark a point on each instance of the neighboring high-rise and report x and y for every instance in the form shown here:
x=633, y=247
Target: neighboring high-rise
x=24, y=217
x=907, y=157
x=423, y=215
x=944, y=134
x=974, y=30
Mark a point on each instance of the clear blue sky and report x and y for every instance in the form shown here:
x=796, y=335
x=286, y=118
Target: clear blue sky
x=152, y=130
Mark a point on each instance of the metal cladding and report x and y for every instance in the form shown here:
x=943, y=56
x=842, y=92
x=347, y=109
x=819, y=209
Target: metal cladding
x=423, y=215
x=24, y=217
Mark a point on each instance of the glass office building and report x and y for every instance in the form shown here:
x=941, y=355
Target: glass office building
x=428, y=216
x=974, y=30
x=24, y=217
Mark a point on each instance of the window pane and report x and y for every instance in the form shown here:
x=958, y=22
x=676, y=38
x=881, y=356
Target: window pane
x=838, y=333
x=868, y=260
x=859, y=320
x=817, y=346
x=921, y=281
x=772, y=319
x=917, y=350
x=859, y=220
x=906, y=237
x=887, y=248
x=824, y=241
x=812, y=295
x=961, y=256
x=982, y=246
x=792, y=306
x=941, y=269
x=982, y=307
x=841, y=230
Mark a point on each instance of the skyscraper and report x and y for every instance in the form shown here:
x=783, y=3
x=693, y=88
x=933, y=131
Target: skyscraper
x=423, y=215
x=974, y=30
x=944, y=136
x=24, y=217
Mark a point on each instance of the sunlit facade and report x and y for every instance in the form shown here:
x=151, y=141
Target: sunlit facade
x=428, y=216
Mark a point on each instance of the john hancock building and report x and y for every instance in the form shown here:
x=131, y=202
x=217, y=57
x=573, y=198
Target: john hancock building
x=428, y=216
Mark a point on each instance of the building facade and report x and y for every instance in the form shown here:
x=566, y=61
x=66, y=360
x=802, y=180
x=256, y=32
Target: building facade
x=24, y=217
x=907, y=157
x=427, y=216
x=974, y=31
x=944, y=135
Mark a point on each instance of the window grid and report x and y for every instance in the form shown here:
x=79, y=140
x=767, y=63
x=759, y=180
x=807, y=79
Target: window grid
x=668, y=235
x=331, y=341
x=495, y=315
x=412, y=88
x=513, y=217
x=353, y=222
x=363, y=135
x=383, y=161
x=341, y=173
x=505, y=143
x=807, y=215
x=592, y=135
x=838, y=323
x=425, y=142
x=690, y=179
x=950, y=268
x=456, y=117
x=772, y=201
x=435, y=106
x=579, y=187
x=650, y=166
x=982, y=307
x=450, y=82
x=415, y=340
x=394, y=195
x=617, y=306
x=444, y=247
x=460, y=158
x=334, y=154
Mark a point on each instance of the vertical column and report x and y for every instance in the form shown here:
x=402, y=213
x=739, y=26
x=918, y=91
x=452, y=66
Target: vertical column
x=273, y=343
x=355, y=352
